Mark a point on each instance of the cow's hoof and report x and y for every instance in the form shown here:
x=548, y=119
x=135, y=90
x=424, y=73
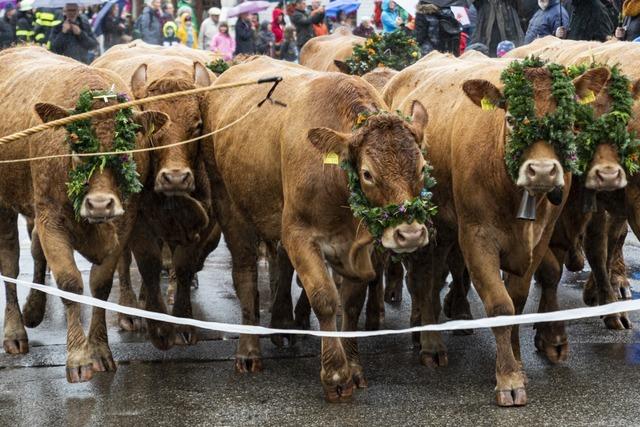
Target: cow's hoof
x=617, y=322
x=104, y=364
x=337, y=393
x=186, y=335
x=130, y=323
x=434, y=360
x=33, y=311
x=359, y=380
x=590, y=294
x=79, y=374
x=515, y=397
x=248, y=365
x=625, y=293
x=556, y=351
x=162, y=335
x=16, y=346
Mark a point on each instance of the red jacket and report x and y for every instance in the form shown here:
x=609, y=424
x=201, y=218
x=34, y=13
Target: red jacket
x=276, y=29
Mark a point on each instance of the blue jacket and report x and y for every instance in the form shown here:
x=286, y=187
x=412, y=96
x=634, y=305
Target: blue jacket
x=545, y=22
x=388, y=17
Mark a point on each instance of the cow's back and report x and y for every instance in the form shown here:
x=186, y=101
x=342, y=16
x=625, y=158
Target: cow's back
x=320, y=52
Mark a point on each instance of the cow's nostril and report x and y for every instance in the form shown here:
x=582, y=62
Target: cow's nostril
x=400, y=237
x=531, y=171
x=553, y=171
x=166, y=177
x=110, y=204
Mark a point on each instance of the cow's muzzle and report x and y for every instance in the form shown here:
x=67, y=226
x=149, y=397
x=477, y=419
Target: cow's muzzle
x=609, y=177
x=100, y=207
x=540, y=176
x=405, y=238
x=175, y=182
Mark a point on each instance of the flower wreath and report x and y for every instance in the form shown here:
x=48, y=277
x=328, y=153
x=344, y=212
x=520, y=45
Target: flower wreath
x=611, y=126
x=377, y=219
x=556, y=127
x=81, y=137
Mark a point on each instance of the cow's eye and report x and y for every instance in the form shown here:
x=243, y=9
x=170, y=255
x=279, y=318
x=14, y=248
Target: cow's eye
x=366, y=175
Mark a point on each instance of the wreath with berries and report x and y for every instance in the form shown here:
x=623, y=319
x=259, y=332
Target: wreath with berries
x=82, y=138
x=396, y=50
x=527, y=129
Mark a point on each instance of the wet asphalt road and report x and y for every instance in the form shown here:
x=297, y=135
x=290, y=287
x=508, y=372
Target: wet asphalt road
x=599, y=385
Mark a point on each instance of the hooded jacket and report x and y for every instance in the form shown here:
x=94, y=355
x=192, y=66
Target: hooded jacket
x=276, y=28
x=545, y=21
x=184, y=31
x=388, y=17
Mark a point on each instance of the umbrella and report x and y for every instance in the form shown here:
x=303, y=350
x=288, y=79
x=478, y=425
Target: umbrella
x=97, y=28
x=248, y=7
x=61, y=3
x=337, y=6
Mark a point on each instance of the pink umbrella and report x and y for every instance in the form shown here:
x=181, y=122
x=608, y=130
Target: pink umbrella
x=248, y=7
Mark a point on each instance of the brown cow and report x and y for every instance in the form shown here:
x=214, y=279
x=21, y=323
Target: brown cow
x=270, y=184
x=379, y=77
x=322, y=53
x=38, y=189
x=478, y=201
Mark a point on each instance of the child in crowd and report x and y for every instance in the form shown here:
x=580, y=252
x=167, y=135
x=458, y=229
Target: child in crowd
x=222, y=43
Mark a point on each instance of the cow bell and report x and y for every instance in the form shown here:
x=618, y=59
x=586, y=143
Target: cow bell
x=555, y=196
x=589, y=201
x=527, y=209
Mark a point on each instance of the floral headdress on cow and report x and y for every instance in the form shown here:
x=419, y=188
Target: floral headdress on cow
x=82, y=138
x=527, y=129
x=377, y=219
x=611, y=127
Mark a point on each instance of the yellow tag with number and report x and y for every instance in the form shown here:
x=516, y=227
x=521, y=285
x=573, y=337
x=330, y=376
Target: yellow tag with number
x=331, y=159
x=487, y=105
x=588, y=98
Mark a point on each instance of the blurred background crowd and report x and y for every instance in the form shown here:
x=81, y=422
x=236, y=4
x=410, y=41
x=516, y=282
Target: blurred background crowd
x=85, y=29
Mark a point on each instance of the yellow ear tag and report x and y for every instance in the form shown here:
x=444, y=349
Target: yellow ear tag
x=331, y=159
x=486, y=104
x=588, y=98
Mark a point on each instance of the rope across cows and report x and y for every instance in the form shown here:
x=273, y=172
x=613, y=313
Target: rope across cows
x=488, y=322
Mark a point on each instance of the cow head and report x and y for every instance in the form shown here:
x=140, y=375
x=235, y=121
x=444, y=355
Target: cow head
x=102, y=201
x=173, y=167
x=540, y=171
x=386, y=155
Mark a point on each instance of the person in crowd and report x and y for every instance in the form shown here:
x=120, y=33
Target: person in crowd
x=73, y=37
x=437, y=28
x=289, y=51
x=303, y=22
x=245, y=41
x=321, y=25
x=496, y=20
x=8, y=26
x=187, y=33
x=277, y=27
x=630, y=29
x=478, y=47
x=365, y=29
x=546, y=20
x=168, y=12
x=222, y=43
x=377, y=14
x=391, y=20
x=24, y=23
x=266, y=40
x=341, y=21
x=46, y=19
x=190, y=5
x=255, y=23
x=209, y=28
x=112, y=28
x=590, y=20
x=503, y=47
x=149, y=24
x=169, y=34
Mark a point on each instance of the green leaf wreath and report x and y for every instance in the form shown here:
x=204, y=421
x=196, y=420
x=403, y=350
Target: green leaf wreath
x=81, y=137
x=377, y=219
x=218, y=66
x=395, y=50
x=556, y=127
x=611, y=127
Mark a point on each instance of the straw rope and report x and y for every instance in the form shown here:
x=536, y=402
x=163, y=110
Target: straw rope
x=137, y=150
x=112, y=108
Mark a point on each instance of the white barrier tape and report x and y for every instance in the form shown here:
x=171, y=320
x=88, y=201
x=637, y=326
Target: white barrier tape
x=487, y=322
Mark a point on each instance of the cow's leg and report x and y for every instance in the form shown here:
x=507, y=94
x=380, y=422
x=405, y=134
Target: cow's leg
x=598, y=248
x=375, y=303
x=305, y=255
x=127, y=295
x=574, y=259
x=551, y=337
x=619, y=280
x=483, y=262
x=353, y=295
x=185, y=260
x=36, y=305
x=456, y=305
x=148, y=255
x=101, y=280
x=15, y=335
x=59, y=253
x=282, y=304
x=394, y=275
x=303, y=309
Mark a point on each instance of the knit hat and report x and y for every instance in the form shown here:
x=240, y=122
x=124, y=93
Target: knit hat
x=9, y=7
x=504, y=47
x=214, y=11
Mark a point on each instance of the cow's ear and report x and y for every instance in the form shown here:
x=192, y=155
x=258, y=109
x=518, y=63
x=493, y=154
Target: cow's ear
x=49, y=112
x=342, y=66
x=419, y=119
x=328, y=141
x=150, y=122
x=635, y=89
x=139, y=82
x=483, y=93
x=201, y=76
x=590, y=83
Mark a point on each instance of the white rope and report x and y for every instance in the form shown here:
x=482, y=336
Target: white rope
x=488, y=322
